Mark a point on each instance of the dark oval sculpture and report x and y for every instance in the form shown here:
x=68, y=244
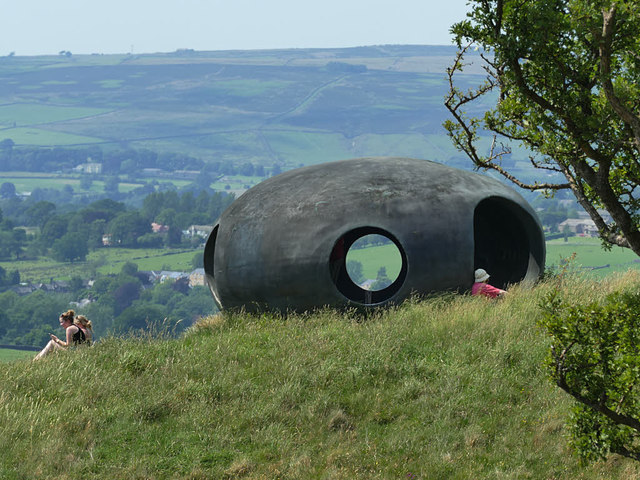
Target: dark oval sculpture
x=281, y=246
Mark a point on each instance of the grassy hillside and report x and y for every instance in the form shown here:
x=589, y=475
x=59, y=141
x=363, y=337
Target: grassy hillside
x=9, y=354
x=446, y=388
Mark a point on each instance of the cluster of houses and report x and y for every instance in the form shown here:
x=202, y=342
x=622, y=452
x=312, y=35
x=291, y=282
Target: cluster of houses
x=202, y=231
x=583, y=227
x=148, y=279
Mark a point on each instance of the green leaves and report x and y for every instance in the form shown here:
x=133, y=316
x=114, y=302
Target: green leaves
x=566, y=72
x=595, y=357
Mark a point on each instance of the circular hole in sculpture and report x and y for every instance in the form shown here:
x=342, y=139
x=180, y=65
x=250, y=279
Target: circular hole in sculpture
x=368, y=265
x=374, y=262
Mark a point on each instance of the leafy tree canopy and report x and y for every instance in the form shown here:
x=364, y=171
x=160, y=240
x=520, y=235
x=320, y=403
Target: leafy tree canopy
x=565, y=76
x=70, y=247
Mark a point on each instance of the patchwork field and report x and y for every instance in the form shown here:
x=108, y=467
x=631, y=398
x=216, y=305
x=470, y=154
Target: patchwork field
x=105, y=261
x=290, y=107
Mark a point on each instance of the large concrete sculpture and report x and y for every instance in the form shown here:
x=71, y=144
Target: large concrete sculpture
x=281, y=245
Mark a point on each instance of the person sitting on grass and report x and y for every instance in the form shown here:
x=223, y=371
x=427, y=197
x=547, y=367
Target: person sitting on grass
x=85, y=325
x=481, y=287
x=74, y=335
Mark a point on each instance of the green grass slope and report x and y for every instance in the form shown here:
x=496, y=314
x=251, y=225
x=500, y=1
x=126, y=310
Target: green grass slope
x=10, y=354
x=445, y=388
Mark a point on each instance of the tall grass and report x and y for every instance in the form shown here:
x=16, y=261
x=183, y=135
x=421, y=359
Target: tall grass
x=450, y=387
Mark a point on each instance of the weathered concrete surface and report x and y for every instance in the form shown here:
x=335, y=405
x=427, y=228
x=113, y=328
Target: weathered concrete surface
x=278, y=246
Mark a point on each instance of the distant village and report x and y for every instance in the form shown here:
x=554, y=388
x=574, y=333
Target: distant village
x=147, y=278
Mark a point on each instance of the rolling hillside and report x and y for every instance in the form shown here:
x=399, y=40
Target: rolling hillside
x=286, y=107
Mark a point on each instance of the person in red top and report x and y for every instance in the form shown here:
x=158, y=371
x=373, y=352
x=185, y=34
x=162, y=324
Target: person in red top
x=481, y=287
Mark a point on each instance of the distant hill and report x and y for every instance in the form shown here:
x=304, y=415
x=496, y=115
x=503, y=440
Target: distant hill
x=287, y=107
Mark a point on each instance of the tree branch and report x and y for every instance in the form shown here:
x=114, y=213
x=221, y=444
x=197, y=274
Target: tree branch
x=561, y=381
x=627, y=116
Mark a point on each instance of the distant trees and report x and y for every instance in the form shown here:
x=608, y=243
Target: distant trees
x=70, y=247
x=7, y=190
x=111, y=184
x=53, y=229
x=9, y=278
x=69, y=236
x=127, y=227
x=28, y=320
x=12, y=240
x=39, y=213
x=382, y=280
x=354, y=269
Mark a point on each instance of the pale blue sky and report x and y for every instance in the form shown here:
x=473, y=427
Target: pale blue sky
x=35, y=27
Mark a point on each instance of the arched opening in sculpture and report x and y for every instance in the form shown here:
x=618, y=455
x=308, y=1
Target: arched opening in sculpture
x=343, y=281
x=208, y=260
x=502, y=245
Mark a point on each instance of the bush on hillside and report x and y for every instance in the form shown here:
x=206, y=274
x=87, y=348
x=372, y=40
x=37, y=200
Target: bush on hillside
x=595, y=358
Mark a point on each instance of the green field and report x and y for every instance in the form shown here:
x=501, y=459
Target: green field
x=44, y=138
x=9, y=355
x=27, y=182
x=590, y=256
x=146, y=259
x=27, y=114
x=372, y=258
x=105, y=261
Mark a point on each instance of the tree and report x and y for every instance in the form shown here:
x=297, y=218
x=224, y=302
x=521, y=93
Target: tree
x=10, y=243
x=127, y=227
x=594, y=357
x=111, y=184
x=54, y=228
x=138, y=317
x=70, y=247
x=129, y=268
x=85, y=182
x=127, y=290
x=382, y=280
x=7, y=145
x=7, y=190
x=40, y=212
x=198, y=260
x=167, y=216
x=76, y=283
x=354, y=269
x=174, y=236
x=565, y=73
x=19, y=237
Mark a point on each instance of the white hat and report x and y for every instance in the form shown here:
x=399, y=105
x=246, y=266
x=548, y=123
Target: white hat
x=481, y=275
